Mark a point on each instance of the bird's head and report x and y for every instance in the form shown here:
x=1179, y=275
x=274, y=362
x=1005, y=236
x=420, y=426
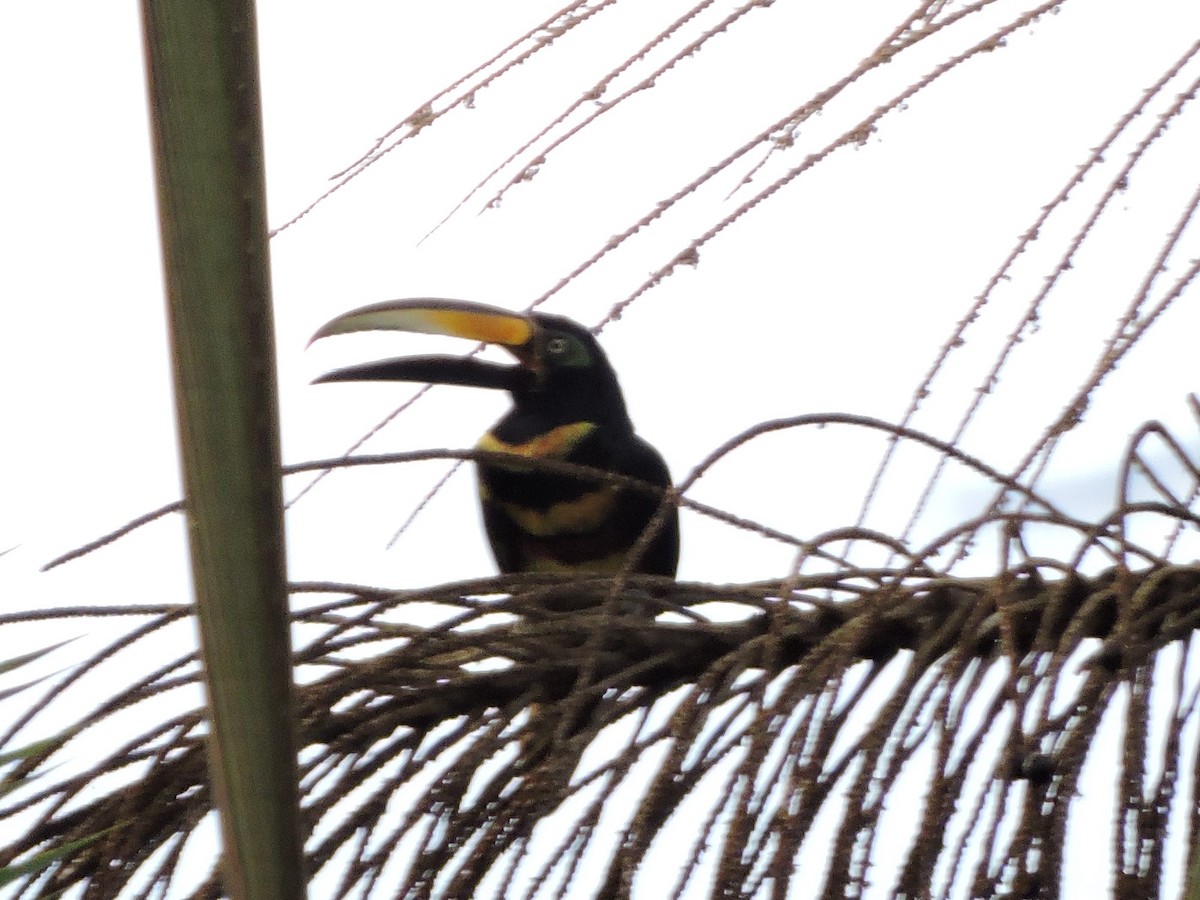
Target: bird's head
x=561, y=375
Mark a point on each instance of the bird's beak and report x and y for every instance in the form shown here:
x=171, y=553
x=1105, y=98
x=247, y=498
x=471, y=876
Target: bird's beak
x=456, y=318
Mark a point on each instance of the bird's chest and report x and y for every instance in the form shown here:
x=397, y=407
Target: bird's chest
x=544, y=503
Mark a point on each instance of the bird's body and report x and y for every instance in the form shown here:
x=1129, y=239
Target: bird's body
x=567, y=407
x=542, y=522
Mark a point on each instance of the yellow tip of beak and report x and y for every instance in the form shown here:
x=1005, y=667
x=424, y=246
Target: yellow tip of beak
x=428, y=315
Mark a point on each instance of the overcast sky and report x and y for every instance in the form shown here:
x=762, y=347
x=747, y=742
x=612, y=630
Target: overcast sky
x=832, y=296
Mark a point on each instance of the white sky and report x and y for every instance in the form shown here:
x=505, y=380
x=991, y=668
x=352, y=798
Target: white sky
x=832, y=296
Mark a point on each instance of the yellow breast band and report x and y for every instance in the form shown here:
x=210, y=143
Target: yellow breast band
x=556, y=443
x=576, y=516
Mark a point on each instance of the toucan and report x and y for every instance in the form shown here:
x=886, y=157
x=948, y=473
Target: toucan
x=567, y=406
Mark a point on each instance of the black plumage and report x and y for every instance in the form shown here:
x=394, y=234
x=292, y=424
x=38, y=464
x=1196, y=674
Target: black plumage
x=567, y=406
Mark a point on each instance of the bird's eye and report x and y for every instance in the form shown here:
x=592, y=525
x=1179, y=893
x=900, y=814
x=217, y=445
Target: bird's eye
x=556, y=346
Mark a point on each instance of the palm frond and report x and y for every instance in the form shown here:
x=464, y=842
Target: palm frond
x=491, y=737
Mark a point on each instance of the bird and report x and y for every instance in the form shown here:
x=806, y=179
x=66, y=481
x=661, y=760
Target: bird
x=567, y=406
